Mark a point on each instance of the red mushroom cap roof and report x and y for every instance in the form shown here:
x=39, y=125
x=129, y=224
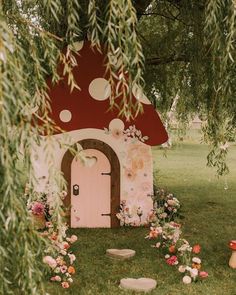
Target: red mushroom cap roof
x=232, y=245
x=88, y=107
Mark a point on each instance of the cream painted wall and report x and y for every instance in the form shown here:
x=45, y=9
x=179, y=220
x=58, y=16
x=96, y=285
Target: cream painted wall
x=135, y=159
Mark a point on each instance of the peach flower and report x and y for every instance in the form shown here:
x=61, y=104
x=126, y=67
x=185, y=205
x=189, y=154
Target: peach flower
x=71, y=270
x=65, y=285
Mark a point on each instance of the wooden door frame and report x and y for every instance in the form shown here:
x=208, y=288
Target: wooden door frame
x=115, y=176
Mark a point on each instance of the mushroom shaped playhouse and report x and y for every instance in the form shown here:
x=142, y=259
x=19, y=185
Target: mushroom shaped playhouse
x=119, y=159
x=232, y=260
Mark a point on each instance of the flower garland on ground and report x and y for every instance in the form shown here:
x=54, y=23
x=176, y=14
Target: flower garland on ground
x=59, y=257
x=167, y=234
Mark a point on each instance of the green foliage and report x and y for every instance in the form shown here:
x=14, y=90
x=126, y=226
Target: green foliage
x=190, y=50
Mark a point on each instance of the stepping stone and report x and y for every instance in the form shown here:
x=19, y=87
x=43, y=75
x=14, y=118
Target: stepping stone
x=139, y=285
x=120, y=253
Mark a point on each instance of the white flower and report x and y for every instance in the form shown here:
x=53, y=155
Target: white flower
x=187, y=280
x=70, y=280
x=57, y=270
x=158, y=245
x=176, y=262
x=182, y=268
x=193, y=272
x=196, y=260
x=167, y=256
x=72, y=258
x=188, y=268
x=63, y=252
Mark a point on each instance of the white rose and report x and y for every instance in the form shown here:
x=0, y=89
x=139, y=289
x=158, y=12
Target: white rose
x=182, y=268
x=196, y=260
x=187, y=280
x=70, y=280
x=193, y=272
x=167, y=256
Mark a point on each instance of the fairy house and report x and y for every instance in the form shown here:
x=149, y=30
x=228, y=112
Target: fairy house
x=119, y=159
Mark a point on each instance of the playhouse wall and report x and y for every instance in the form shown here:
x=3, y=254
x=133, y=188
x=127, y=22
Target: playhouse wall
x=135, y=161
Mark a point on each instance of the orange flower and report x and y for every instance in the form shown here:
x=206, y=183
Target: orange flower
x=71, y=270
x=172, y=249
x=196, y=265
x=196, y=249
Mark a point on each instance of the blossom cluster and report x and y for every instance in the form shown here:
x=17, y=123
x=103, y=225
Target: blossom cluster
x=60, y=257
x=177, y=251
x=166, y=206
x=125, y=216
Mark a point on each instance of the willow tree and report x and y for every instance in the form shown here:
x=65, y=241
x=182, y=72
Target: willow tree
x=192, y=48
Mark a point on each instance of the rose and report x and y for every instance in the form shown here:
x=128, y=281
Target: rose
x=56, y=278
x=71, y=270
x=50, y=261
x=37, y=208
x=172, y=249
x=173, y=260
x=70, y=280
x=65, y=285
x=193, y=272
x=182, y=268
x=73, y=239
x=187, y=280
x=72, y=258
x=196, y=249
x=203, y=274
x=196, y=260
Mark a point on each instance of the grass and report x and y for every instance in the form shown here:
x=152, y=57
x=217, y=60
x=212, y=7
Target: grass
x=209, y=207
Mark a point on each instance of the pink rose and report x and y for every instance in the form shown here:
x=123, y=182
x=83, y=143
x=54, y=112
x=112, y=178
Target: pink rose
x=173, y=260
x=50, y=261
x=65, y=285
x=37, y=208
x=56, y=279
x=72, y=258
x=203, y=274
x=73, y=239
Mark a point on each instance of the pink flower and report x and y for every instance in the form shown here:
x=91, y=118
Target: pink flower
x=203, y=274
x=65, y=285
x=117, y=133
x=72, y=258
x=196, y=249
x=63, y=268
x=73, y=239
x=173, y=260
x=50, y=261
x=48, y=224
x=56, y=279
x=37, y=208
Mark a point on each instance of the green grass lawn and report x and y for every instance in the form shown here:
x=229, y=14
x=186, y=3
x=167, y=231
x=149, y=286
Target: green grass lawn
x=209, y=207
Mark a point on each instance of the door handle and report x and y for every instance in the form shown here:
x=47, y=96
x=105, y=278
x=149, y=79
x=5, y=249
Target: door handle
x=106, y=173
x=106, y=214
x=75, y=189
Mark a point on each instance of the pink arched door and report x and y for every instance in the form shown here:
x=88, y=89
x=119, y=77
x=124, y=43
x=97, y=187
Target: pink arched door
x=91, y=190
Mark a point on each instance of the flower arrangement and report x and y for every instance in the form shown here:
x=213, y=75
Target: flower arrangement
x=166, y=205
x=167, y=234
x=132, y=132
x=126, y=217
x=124, y=214
x=60, y=258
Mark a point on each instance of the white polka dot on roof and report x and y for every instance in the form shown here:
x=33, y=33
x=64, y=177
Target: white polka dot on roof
x=65, y=116
x=99, y=89
x=78, y=45
x=116, y=124
x=138, y=93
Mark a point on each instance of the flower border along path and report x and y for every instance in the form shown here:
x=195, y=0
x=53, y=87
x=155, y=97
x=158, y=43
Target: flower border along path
x=168, y=236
